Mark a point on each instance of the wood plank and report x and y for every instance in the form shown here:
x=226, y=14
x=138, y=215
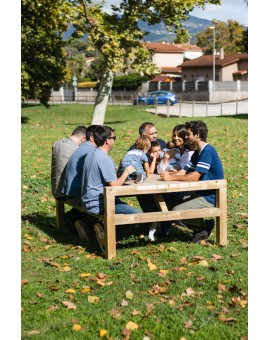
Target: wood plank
x=60, y=216
x=109, y=219
x=221, y=221
x=160, y=202
x=158, y=216
x=158, y=186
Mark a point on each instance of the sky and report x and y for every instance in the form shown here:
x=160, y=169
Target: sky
x=230, y=9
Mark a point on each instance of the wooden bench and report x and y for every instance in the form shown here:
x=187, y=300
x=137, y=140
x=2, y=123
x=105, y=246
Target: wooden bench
x=157, y=187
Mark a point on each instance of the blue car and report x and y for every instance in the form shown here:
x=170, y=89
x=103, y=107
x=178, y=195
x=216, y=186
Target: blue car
x=157, y=97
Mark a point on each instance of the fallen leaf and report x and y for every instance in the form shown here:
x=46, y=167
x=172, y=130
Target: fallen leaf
x=183, y=260
x=200, y=278
x=39, y=295
x=70, y=290
x=85, y=274
x=86, y=290
x=101, y=276
x=172, y=249
x=24, y=282
x=188, y=324
x=101, y=283
x=216, y=257
x=33, y=332
x=226, y=319
x=53, y=307
x=26, y=249
x=221, y=287
x=124, y=303
x=190, y=291
x=102, y=333
x=93, y=299
x=116, y=314
x=135, y=312
x=163, y=272
x=129, y=295
x=203, y=263
x=131, y=325
x=76, y=327
x=68, y=304
x=65, y=269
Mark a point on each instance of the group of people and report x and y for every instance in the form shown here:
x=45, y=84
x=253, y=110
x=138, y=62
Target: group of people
x=81, y=167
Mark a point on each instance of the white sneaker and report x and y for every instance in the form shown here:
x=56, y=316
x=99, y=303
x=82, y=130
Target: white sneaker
x=152, y=230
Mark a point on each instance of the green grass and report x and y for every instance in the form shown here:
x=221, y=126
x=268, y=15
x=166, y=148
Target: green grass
x=189, y=301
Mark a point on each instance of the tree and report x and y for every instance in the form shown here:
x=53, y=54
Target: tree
x=230, y=36
x=42, y=55
x=117, y=37
x=182, y=37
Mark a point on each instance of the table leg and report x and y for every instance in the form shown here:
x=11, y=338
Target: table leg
x=60, y=215
x=110, y=232
x=160, y=202
x=221, y=225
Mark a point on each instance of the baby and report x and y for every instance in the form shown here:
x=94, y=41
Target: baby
x=138, y=158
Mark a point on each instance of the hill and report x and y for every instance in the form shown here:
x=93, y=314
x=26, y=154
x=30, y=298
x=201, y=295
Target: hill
x=158, y=32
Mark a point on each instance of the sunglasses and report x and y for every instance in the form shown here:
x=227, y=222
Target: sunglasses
x=113, y=137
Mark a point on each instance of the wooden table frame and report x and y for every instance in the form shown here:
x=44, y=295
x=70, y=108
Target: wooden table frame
x=157, y=187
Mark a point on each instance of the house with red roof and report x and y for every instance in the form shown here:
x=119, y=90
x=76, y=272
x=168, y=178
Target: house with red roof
x=230, y=67
x=167, y=57
x=190, y=51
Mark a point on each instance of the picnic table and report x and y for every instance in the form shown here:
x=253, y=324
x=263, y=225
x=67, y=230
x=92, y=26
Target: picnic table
x=154, y=186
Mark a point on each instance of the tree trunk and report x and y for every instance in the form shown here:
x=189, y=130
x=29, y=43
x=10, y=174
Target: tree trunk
x=102, y=98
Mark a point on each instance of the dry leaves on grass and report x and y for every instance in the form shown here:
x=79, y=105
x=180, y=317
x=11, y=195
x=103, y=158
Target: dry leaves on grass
x=68, y=304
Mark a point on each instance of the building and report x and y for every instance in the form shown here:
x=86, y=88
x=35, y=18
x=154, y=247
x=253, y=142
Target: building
x=230, y=67
x=190, y=51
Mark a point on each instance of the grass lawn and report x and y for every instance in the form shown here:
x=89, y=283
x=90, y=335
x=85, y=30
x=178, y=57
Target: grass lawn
x=70, y=292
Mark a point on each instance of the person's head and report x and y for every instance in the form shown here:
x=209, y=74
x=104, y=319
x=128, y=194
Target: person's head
x=155, y=149
x=79, y=134
x=179, y=136
x=148, y=130
x=196, y=131
x=90, y=133
x=104, y=135
x=142, y=143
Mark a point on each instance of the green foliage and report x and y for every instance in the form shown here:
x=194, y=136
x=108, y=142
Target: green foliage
x=42, y=54
x=182, y=36
x=166, y=308
x=231, y=36
x=130, y=81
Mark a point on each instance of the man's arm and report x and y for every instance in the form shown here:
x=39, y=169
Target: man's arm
x=120, y=181
x=179, y=176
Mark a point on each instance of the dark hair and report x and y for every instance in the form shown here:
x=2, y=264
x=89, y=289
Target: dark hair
x=181, y=132
x=101, y=134
x=155, y=143
x=79, y=131
x=90, y=131
x=198, y=127
x=143, y=126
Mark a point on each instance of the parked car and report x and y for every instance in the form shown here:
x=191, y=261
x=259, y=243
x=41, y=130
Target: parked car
x=157, y=97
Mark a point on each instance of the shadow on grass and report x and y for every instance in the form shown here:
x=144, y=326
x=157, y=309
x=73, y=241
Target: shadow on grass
x=126, y=238
x=24, y=120
x=239, y=116
x=30, y=104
